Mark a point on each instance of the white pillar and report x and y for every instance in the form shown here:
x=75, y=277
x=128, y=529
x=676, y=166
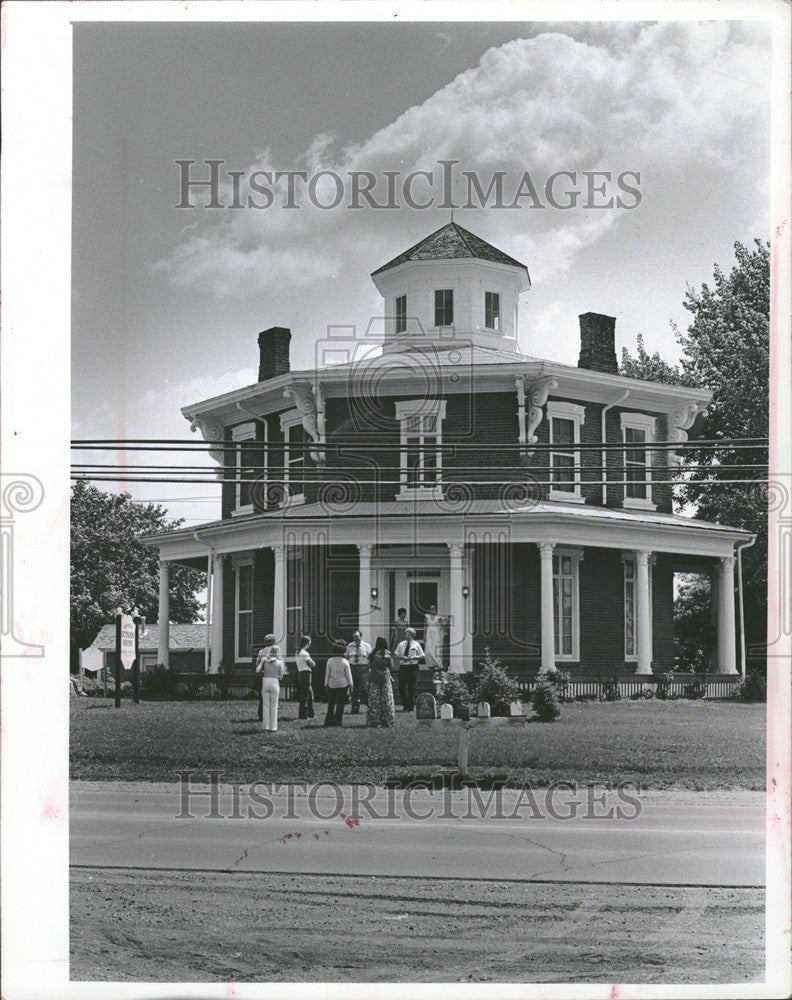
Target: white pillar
x=548, y=616
x=217, y=613
x=163, y=637
x=457, y=629
x=727, y=661
x=209, y=593
x=279, y=598
x=643, y=613
x=364, y=592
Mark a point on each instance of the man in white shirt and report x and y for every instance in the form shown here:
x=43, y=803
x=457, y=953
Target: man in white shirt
x=409, y=654
x=358, y=653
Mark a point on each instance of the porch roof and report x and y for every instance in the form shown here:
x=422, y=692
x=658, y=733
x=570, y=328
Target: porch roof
x=427, y=521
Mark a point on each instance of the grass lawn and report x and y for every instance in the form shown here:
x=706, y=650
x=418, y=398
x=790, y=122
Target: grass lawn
x=674, y=744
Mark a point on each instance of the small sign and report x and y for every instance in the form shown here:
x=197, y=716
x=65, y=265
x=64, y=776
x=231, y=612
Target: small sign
x=127, y=651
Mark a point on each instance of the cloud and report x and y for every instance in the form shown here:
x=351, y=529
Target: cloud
x=674, y=100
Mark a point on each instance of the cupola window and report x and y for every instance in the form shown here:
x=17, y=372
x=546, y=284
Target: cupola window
x=492, y=310
x=401, y=313
x=444, y=307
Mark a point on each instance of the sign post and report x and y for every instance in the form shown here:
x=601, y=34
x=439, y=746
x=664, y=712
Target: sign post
x=126, y=634
x=136, y=665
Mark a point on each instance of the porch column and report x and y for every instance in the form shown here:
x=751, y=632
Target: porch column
x=643, y=617
x=217, y=613
x=279, y=598
x=727, y=660
x=364, y=592
x=457, y=628
x=163, y=638
x=548, y=617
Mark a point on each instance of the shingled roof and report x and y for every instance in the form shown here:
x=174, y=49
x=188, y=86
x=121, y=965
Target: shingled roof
x=181, y=637
x=452, y=242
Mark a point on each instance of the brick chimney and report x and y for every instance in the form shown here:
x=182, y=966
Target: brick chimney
x=598, y=343
x=273, y=352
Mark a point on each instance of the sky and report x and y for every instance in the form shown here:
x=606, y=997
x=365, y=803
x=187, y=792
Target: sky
x=167, y=302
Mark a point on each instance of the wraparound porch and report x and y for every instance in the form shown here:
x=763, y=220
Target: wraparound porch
x=542, y=588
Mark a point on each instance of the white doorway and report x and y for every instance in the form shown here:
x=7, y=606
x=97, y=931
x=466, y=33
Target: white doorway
x=418, y=590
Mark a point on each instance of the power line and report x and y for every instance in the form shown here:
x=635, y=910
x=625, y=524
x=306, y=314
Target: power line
x=80, y=477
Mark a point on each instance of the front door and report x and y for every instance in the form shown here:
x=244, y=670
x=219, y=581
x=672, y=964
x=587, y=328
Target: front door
x=417, y=590
x=423, y=594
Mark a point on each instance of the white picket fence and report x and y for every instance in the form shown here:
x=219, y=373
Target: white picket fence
x=717, y=687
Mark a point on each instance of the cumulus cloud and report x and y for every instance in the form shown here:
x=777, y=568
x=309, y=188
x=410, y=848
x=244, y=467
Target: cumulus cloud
x=671, y=100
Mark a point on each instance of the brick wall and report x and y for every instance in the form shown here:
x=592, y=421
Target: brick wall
x=508, y=620
x=364, y=452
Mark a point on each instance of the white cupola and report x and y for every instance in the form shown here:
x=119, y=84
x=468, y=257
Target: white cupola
x=452, y=284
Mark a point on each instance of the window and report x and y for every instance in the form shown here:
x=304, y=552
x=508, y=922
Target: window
x=492, y=310
x=244, y=470
x=630, y=603
x=421, y=447
x=565, y=420
x=444, y=307
x=294, y=596
x=637, y=432
x=565, y=604
x=631, y=622
x=401, y=313
x=294, y=448
x=244, y=611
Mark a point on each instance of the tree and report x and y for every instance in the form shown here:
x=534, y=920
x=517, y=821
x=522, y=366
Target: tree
x=694, y=636
x=110, y=567
x=650, y=368
x=726, y=349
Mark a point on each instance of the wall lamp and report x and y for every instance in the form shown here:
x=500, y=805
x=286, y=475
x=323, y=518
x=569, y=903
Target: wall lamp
x=466, y=591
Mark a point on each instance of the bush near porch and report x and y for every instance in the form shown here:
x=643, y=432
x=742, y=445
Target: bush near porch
x=660, y=744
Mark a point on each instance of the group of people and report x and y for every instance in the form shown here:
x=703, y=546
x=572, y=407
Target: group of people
x=355, y=671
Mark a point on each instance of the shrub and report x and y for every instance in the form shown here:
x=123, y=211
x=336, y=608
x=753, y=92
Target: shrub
x=610, y=689
x=454, y=692
x=545, y=702
x=560, y=680
x=697, y=689
x=494, y=686
x=753, y=688
x=643, y=695
x=159, y=680
x=663, y=683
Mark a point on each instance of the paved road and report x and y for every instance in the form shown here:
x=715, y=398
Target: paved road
x=681, y=839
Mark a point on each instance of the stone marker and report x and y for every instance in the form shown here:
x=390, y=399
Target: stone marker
x=483, y=711
x=516, y=708
x=446, y=711
x=425, y=706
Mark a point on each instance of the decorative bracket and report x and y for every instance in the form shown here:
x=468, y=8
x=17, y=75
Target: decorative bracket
x=308, y=400
x=537, y=397
x=211, y=431
x=679, y=423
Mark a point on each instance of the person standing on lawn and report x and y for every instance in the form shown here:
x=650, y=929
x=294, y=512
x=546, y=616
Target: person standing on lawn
x=410, y=654
x=381, y=707
x=263, y=653
x=338, y=682
x=305, y=667
x=358, y=653
x=271, y=675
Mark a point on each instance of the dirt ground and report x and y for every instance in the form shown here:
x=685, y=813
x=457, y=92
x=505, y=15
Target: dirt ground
x=190, y=927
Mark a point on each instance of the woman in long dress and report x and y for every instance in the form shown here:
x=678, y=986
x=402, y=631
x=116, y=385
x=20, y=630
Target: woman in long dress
x=433, y=640
x=381, y=706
